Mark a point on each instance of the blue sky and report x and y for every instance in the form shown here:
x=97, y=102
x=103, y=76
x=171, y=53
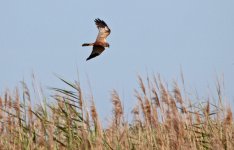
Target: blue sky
x=152, y=36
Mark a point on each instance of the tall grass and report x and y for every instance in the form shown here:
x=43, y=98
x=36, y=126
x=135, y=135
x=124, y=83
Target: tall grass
x=162, y=119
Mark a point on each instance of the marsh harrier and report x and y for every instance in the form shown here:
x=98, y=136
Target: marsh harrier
x=100, y=43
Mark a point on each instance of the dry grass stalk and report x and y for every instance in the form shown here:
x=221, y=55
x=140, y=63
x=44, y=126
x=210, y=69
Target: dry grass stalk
x=198, y=118
x=164, y=94
x=93, y=112
x=136, y=115
x=141, y=83
x=229, y=118
x=155, y=98
x=177, y=94
x=87, y=120
x=141, y=103
x=118, y=110
x=148, y=111
x=26, y=92
x=61, y=125
x=80, y=95
x=17, y=102
x=50, y=136
x=5, y=99
x=97, y=124
x=1, y=107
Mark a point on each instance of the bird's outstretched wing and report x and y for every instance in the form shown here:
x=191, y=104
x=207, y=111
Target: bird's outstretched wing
x=104, y=31
x=97, y=50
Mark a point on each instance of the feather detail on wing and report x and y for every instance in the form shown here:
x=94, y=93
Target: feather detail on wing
x=97, y=50
x=104, y=31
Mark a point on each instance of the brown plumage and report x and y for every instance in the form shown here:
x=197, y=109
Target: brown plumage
x=100, y=43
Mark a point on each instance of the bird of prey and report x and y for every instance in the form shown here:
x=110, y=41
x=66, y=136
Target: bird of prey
x=100, y=43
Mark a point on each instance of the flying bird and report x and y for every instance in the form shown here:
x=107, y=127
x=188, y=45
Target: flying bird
x=100, y=43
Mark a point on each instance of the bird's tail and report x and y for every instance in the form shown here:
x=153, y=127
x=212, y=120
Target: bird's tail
x=87, y=44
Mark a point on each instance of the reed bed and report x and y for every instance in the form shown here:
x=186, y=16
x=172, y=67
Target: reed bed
x=163, y=119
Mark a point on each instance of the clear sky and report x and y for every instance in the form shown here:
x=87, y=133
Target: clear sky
x=160, y=36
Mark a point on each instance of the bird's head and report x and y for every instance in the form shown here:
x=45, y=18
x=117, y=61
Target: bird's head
x=107, y=45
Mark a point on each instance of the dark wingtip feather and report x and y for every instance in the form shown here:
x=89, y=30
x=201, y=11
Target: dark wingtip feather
x=99, y=21
x=92, y=56
x=89, y=58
